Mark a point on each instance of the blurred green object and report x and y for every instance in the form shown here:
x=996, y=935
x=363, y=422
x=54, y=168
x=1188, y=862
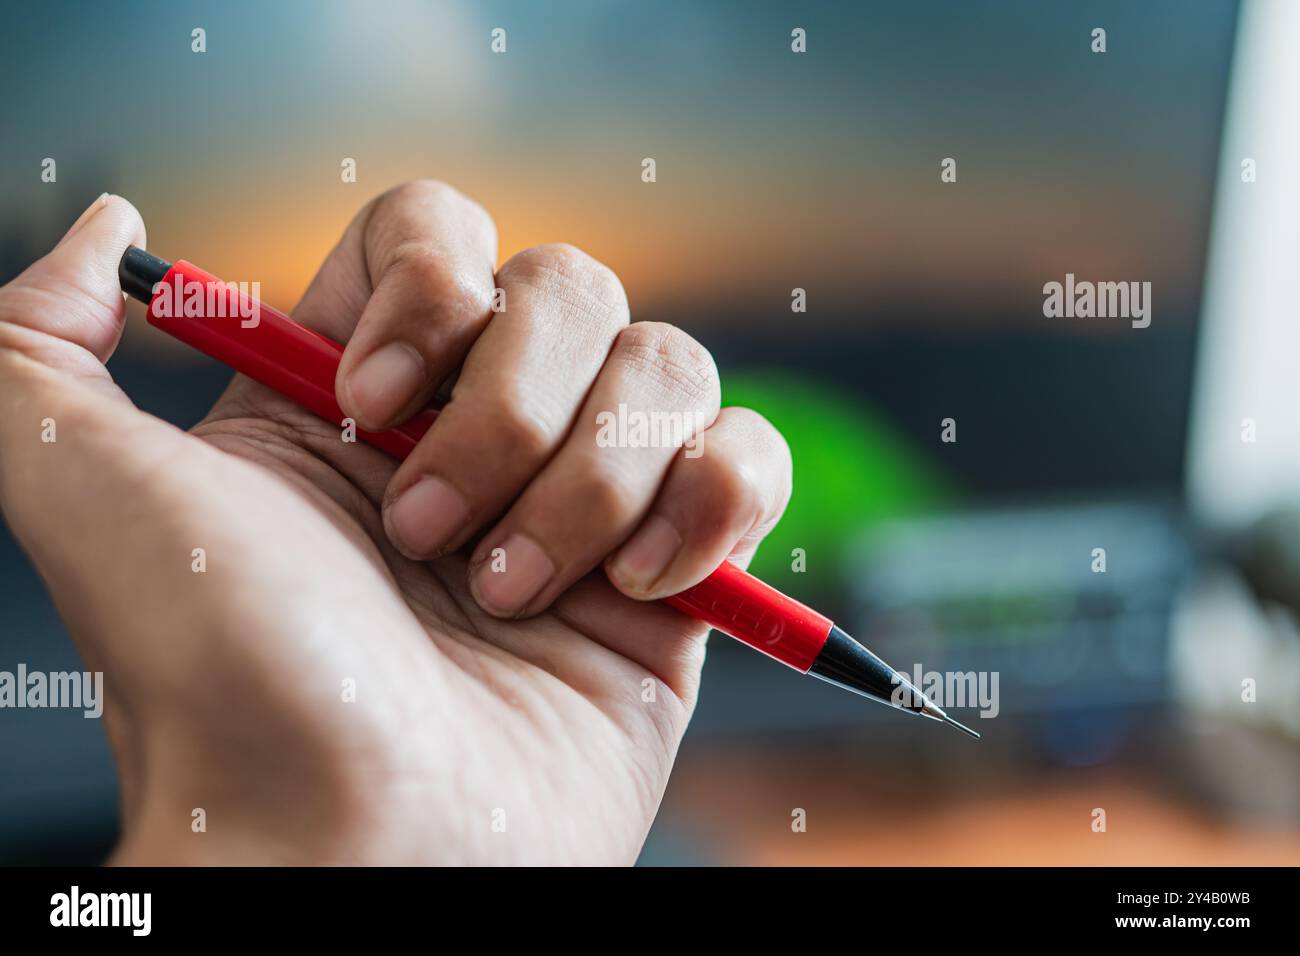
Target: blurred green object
x=851, y=468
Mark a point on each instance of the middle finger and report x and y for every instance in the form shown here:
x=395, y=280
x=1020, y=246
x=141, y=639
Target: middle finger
x=515, y=400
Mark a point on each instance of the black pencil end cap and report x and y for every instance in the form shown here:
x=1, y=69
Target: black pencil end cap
x=139, y=271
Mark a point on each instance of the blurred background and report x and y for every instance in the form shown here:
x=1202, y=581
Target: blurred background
x=1119, y=689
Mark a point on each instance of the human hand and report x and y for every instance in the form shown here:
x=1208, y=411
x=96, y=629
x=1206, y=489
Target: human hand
x=350, y=680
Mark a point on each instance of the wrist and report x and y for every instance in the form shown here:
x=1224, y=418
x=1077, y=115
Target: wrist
x=198, y=809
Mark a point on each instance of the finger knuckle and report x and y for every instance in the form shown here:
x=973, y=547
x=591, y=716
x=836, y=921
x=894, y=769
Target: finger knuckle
x=440, y=285
x=441, y=197
x=425, y=268
x=681, y=365
x=422, y=191
x=557, y=257
x=420, y=262
x=605, y=499
x=743, y=491
x=565, y=270
x=768, y=466
x=727, y=495
x=527, y=436
x=774, y=452
x=771, y=444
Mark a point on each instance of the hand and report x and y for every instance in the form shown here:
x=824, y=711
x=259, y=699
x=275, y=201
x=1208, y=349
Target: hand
x=340, y=683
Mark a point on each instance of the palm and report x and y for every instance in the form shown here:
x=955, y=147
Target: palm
x=476, y=709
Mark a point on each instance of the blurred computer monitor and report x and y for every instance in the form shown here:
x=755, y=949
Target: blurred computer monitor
x=1245, y=442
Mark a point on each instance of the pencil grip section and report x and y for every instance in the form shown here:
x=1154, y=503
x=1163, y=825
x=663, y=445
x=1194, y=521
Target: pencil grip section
x=740, y=605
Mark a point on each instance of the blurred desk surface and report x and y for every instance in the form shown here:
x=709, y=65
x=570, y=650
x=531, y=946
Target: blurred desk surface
x=741, y=811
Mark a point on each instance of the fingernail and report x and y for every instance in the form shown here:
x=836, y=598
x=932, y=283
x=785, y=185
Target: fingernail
x=642, y=561
x=512, y=575
x=385, y=381
x=85, y=217
x=425, y=517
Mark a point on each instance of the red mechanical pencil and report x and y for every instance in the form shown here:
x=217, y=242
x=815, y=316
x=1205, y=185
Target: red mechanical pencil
x=223, y=322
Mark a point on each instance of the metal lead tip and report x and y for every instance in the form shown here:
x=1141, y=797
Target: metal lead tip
x=932, y=710
x=962, y=727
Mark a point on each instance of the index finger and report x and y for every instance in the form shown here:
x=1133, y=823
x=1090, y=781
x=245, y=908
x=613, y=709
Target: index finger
x=408, y=289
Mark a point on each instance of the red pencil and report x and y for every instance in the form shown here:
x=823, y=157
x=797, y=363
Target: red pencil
x=225, y=323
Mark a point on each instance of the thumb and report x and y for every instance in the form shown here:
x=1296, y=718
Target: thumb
x=59, y=322
x=73, y=293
